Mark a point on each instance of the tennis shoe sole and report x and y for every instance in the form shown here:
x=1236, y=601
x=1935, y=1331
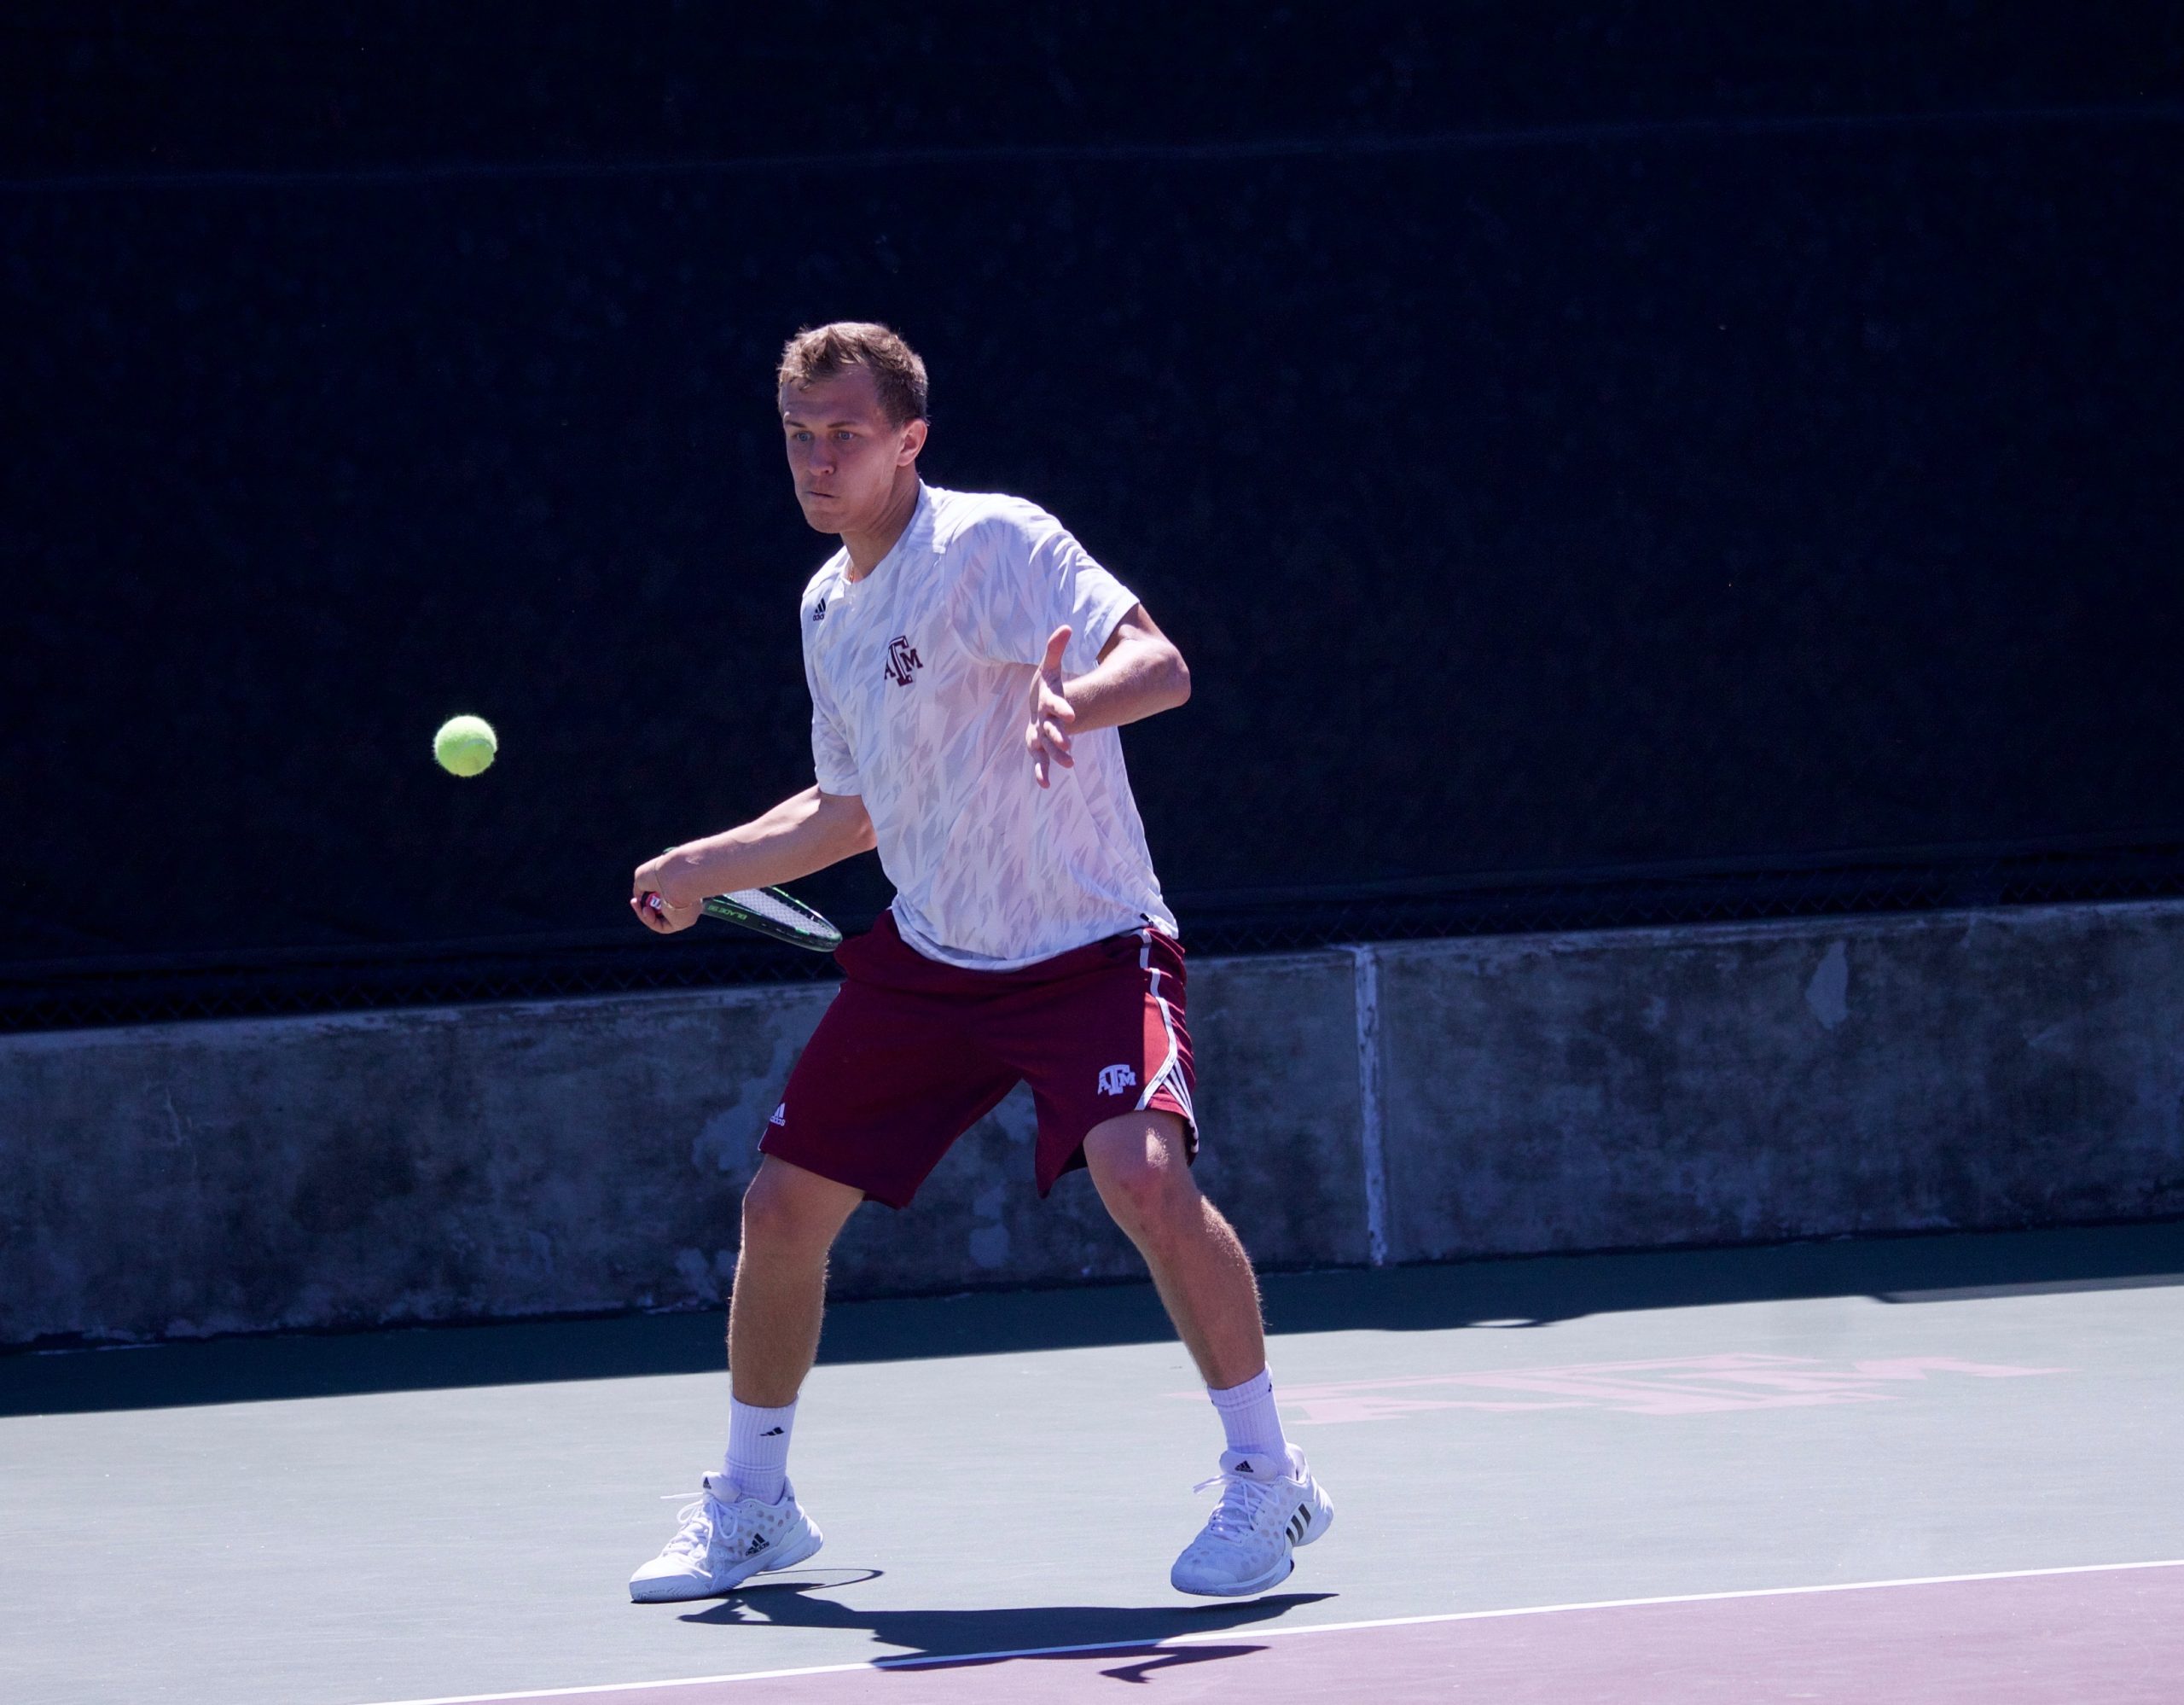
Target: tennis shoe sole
x=674, y=1589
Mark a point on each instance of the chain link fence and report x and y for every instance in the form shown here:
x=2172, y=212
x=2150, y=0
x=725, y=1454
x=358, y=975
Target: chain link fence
x=102, y=993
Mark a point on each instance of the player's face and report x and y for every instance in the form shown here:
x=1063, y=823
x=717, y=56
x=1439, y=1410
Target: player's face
x=843, y=451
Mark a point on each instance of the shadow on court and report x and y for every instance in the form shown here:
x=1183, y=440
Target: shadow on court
x=1511, y=1294
x=1028, y=1632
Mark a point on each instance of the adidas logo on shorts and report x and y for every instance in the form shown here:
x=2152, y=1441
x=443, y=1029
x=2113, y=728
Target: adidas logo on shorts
x=780, y=1115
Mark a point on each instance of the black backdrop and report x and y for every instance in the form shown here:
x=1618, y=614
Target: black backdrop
x=1560, y=437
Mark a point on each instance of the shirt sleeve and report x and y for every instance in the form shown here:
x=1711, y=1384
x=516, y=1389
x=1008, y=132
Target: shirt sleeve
x=1037, y=579
x=832, y=765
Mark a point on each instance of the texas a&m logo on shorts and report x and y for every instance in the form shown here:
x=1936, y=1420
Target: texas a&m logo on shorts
x=1114, y=1080
x=902, y=659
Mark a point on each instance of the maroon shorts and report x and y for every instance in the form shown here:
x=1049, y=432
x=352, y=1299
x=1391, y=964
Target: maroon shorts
x=913, y=1053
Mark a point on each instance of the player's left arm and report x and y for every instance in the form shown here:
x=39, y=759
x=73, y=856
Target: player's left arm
x=1139, y=673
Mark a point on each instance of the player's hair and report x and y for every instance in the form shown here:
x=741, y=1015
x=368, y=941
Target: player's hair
x=821, y=351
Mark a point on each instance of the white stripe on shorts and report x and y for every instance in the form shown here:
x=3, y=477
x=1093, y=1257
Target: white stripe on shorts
x=1171, y=1072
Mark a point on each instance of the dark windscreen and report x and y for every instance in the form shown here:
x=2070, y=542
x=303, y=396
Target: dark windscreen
x=1643, y=474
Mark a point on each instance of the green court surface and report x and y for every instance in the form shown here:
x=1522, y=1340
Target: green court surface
x=429, y=1515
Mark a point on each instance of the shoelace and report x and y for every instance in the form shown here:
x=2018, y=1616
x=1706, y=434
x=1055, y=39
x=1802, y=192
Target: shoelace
x=1242, y=1498
x=697, y=1531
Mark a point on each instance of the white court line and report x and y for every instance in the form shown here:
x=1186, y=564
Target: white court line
x=1212, y=1635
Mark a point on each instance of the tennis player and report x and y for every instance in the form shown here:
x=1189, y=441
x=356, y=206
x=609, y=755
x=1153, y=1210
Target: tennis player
x=969, y=667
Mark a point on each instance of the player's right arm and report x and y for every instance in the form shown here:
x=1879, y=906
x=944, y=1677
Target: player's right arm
x=805, y=832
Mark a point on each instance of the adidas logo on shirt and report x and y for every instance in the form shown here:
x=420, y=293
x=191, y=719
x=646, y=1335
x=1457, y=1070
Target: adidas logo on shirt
x=819, y=609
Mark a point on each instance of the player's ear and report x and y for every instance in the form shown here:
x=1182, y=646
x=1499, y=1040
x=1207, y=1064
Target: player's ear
x=913, y=442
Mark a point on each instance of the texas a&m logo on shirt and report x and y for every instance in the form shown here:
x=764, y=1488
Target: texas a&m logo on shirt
x=903, y=659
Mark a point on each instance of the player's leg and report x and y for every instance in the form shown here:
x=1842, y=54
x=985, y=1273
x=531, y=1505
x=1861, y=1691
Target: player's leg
x=1140, y=1164
x=790, y=1217
x=745, y=1518
x=886, y=1083
x=1270, y=1503
x=1103, y=1037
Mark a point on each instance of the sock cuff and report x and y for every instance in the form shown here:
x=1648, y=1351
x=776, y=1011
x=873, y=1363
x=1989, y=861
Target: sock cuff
x=1256, y=1390
x=756, y=1464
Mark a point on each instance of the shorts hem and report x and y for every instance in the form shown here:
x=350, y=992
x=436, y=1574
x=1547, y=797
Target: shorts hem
x=1163, y=1101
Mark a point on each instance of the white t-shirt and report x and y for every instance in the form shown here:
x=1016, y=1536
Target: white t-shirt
x=920, y=677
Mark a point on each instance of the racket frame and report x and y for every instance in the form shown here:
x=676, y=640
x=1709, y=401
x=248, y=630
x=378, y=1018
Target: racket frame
x=819, y=936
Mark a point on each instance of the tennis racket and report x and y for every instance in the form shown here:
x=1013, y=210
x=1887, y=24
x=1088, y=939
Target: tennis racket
x=770, y=912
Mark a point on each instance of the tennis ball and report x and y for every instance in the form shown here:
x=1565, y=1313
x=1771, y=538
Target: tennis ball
x=465, y=745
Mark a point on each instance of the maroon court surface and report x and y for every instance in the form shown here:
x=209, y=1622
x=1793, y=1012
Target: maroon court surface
x=2108, y=1635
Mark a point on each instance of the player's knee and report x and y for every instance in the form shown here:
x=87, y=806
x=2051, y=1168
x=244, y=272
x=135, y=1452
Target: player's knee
x=786, y=1209
x=1144, y=1181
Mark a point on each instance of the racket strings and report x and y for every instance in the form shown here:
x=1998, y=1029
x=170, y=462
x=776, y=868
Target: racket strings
x=775, y=910
x=771, y=912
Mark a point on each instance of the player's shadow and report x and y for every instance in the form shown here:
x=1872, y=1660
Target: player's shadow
x=1125, y=1636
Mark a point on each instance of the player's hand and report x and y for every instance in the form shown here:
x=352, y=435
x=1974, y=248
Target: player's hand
x=661, y=918
x=1046, y=733
x=659, y=914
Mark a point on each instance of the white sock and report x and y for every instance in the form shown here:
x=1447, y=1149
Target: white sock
x=1248, y=1417
x=757, y=1449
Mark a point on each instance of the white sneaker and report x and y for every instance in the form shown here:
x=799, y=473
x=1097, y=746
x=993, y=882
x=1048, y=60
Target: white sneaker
x=1268, y=1508
x=726, y=1538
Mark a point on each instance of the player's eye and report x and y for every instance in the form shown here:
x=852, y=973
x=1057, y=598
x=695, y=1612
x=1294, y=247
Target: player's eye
x=845, y=436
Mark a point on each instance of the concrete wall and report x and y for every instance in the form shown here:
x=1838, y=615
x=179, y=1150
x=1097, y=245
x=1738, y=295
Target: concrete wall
x=1417, y=1100
x=576, y=1155
x=1746, y=1082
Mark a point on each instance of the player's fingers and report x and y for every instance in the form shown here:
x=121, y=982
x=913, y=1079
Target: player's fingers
x=1057, y=642
x=1055, y=705
x=1054, y=751
x=1053, y=734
